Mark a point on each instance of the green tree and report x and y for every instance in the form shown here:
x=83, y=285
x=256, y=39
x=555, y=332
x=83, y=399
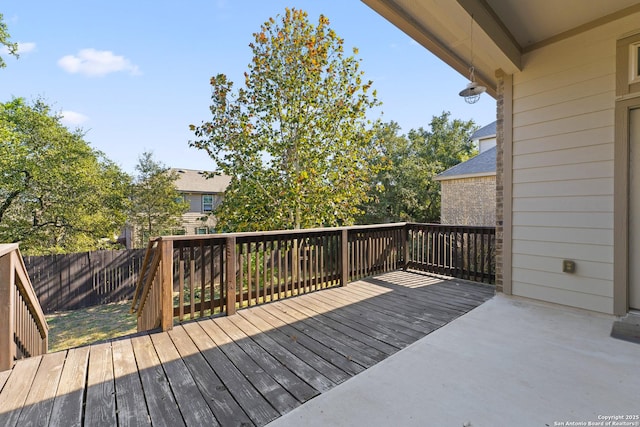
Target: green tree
x=5, y=41
x=57, y=194
x=295, y=140
x=405, y=189
x=156, y=205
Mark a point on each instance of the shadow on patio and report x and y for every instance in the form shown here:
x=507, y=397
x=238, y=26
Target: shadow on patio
x=246, y=369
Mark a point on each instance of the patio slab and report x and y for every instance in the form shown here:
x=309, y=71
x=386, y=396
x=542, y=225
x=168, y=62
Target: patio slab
x=508, y=362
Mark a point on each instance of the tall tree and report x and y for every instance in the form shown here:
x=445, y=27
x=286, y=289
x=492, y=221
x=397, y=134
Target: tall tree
x=5, y=40
x=405, y=189
x=156, y=205
x=295, y=139
x=57, y=194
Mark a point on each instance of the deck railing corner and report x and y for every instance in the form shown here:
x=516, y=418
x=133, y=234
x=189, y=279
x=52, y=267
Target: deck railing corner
x=23, y=328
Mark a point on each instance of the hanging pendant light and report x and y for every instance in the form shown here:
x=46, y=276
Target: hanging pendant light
x=472, y=92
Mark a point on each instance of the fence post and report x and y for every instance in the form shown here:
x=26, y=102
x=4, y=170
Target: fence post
x=344, y=257
x=166, y=273
x=404, y=244
x=230, y=279
x=7, y=308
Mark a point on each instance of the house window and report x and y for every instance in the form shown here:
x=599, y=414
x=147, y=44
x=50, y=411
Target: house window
x=207, y=202
x=634, y=63
x=202, y=230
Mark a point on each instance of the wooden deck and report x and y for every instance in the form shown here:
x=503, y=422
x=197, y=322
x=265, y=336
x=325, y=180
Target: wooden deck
x=242, y=370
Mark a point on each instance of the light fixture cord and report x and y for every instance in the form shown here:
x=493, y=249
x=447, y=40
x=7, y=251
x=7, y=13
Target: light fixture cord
x=471, y=68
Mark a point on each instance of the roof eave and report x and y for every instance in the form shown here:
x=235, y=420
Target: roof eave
x=463, y=176
x=498, y=36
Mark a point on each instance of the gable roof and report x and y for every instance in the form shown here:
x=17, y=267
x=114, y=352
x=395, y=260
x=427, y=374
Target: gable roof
x=195, y=181
x=484, y=164
x=485, y=132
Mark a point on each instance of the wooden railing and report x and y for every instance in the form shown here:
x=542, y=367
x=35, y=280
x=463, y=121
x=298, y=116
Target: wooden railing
x=23, y=329
x=452, y=250
x=185, y=277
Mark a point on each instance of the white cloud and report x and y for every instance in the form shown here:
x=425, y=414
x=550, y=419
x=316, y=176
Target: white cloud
x=26, y=47
x=72, y=118
x=23, y=47
x=96, y=63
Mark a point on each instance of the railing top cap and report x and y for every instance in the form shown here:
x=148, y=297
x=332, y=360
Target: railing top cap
x=251, y=234
x=5, y=248
x=281, y=232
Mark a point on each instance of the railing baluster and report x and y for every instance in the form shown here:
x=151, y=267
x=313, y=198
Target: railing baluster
x=203, y=265
x=181, y=283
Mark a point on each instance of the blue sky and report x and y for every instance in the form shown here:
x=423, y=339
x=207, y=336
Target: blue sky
x=134, y=74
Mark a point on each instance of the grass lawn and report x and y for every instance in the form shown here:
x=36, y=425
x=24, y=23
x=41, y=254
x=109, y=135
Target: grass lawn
x=89, y=325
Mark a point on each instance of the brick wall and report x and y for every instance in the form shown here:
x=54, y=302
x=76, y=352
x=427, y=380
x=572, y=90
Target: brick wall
x=469, y=201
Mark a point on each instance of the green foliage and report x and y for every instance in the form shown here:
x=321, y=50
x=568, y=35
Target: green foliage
x=57, y=194
x=156, y=205
x=405, y=189
x=5, y=41
x=296, y=139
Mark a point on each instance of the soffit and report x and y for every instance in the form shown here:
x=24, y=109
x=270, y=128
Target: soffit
x=502, y=30
x=534, y=22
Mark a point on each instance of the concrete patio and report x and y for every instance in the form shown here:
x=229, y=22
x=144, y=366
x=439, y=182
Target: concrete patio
x=509, y=362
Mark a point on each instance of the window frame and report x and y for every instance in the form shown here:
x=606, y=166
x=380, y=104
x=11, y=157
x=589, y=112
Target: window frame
x=634, y=63
x=210, y=204
x=202, y=230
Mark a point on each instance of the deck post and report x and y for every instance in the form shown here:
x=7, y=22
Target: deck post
x=166, y=319
x=404, y=244
x=230, y=276
x=7, y=310
x=344, y=257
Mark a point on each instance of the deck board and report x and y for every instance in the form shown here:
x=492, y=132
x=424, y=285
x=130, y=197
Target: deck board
x=242, y=370
x=331, y=372
x=250, y=399
x=279, y=372
x=14, y=394
x=4, y=375
x=163, y=408
x=37, y=406
x=132, y=410
x=100, y=402
x=67, y=406
x=279, y=398
x=192, y=405
x=302, y=370
x=301, y=338
x=227, y=411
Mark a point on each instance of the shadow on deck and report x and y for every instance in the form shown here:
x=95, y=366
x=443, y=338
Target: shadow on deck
x=246, y=369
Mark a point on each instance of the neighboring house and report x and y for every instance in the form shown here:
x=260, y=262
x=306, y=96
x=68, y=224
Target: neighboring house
x=468, y=191
x=567, y=82
x=485, y=137
x=204, y=195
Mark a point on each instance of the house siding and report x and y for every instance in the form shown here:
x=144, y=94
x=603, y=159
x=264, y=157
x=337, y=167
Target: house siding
x=563, y=169
x=195, y=202
x=195, y=218
x=469, y=201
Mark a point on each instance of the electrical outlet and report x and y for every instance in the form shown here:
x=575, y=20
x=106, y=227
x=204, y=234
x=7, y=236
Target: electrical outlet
x=568, y=266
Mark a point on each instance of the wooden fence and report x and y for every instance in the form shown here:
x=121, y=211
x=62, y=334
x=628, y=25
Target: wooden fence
x=192, y=276
x=74, y=281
